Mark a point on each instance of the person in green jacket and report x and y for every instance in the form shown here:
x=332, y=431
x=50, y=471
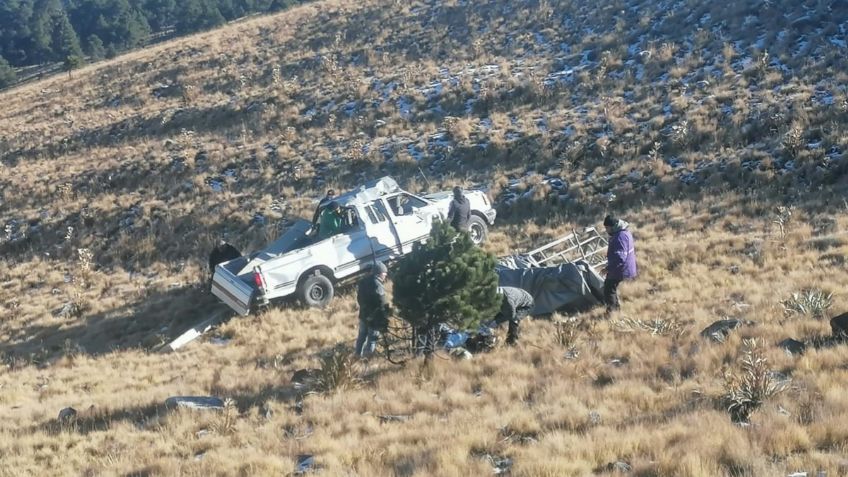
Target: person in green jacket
x=331, y=221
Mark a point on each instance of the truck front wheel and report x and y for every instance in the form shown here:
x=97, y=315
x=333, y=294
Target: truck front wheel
x=477, y=229
x=316, y=291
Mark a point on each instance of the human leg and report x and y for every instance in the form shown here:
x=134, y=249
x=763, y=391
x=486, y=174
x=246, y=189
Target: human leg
x=611, y=294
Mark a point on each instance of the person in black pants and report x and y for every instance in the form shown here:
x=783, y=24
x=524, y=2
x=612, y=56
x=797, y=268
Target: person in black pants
x=459, y=212
x=516, y=304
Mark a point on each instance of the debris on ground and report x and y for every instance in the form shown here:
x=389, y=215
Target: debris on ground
x=305, y=378
x=461, y=353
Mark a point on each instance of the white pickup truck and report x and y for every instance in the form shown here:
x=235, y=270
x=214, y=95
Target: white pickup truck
x=382, y=222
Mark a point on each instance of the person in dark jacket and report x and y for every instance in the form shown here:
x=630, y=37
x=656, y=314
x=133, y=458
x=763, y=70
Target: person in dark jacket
x=324, y=202
x=621, y=260
x=373, y=309
x=459, y=212
x=516, y=304
x=223, y=252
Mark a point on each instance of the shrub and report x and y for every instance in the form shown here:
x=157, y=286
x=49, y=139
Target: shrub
x=338, y=370
x=747, y=389
x=811, y=301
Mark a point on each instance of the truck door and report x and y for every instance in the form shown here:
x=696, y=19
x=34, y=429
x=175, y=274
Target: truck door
x=410, y=218
x=352, y=246
x=384, y=240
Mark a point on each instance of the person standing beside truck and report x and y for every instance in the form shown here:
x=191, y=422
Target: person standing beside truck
x=331, y=221
x=621, y=260
x=223, y=252
x=373, y=310
x=459, y=211
x=331, y=195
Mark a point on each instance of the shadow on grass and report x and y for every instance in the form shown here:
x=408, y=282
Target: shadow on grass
x=148, y=323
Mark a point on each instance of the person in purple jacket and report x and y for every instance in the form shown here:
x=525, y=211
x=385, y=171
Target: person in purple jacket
x=621, y=260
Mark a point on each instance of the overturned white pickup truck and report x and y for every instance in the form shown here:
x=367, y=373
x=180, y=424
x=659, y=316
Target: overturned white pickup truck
x=381, y=222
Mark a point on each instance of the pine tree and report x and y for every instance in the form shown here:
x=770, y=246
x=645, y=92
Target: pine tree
x=7, y=73
x=94, y=47
x=447, y=280
x=64, y=42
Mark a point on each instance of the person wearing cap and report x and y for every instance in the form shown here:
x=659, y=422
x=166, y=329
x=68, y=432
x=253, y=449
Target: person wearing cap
x=331, y=221
x=331, y=195
x=373, y=309
x=515, y=305
x=621, y=260
x=459, y=212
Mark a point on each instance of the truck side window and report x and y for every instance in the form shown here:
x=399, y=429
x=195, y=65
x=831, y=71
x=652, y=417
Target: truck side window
x=380, y=211
x=405, y=204
x=371, y=215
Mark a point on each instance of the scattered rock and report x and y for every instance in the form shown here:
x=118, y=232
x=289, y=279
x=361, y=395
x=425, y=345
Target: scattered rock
x=68, y=310
x=500, y=464
x=719, y=330
x=195, y=402
x=839, y=326
x=394, y=418
x=305, y=464
x=594, y=418
x=792, y=347
x=66, y=415
x=620, y=467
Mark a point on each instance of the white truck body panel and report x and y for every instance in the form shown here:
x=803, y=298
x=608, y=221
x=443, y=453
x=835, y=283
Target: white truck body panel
x=385, y=223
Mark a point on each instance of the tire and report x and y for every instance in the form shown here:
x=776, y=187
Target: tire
x=477, y=229
x=316, y=291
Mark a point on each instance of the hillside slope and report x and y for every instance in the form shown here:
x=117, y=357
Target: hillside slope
x=718, y=130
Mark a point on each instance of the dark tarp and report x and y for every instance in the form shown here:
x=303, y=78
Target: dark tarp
x=570, y=286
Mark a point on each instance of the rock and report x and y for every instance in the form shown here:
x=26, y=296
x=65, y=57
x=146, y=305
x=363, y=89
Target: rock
x=195, y=402
x=67, y=414
x=792, y=347
x=460, y=353
x=839, y=326
x=68, y=310
x=719, y=330
x=500, y=464
x=394, y=418
x=594, y=418
x=797, y=474
x=619, y=467
x=305, y=463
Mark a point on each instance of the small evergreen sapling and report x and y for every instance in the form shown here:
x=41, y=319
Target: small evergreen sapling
x=447, y=280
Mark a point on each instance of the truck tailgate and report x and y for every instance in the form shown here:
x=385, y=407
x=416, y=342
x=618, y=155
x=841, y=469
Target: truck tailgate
x=231, y=289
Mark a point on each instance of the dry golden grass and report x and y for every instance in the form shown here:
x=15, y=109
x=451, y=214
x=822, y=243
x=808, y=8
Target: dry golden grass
x=119, y=196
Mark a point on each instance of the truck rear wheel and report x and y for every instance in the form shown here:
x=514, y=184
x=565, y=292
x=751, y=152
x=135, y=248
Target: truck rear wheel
x=316, y=290
x=477, y=229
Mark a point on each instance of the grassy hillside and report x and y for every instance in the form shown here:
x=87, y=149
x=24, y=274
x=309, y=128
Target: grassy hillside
x=719, y=130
